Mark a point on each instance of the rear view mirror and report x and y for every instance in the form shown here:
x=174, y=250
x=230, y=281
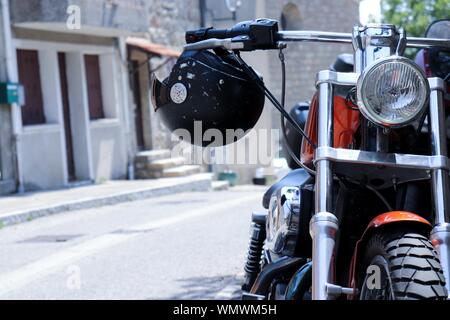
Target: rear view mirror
x=439, y=29
x=439, y=59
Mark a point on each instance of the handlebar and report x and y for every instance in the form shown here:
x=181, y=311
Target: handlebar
x=252, y=35
x=315, y=36
x=202, y=34
x=264, y=34
x=336, y=37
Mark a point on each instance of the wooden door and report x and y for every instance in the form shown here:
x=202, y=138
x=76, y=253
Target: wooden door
x=66, y=115
x=138, y=102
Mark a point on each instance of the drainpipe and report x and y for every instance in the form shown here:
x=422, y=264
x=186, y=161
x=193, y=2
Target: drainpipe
x=202, y=6
x=11, y=76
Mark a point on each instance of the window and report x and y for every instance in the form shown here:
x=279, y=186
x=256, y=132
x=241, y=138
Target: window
x=291, y=18
x=94, y=86
x=30, y=78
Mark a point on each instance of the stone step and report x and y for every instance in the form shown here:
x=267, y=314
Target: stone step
x=147, y=174
x=151, y=155
x=181, y=171
x=162, y=164
x=220, y=185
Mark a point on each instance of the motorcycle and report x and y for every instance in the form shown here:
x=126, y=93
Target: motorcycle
x=366, y=215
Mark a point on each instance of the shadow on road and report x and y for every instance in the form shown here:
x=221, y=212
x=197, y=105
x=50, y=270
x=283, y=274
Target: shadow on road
x=209, y=288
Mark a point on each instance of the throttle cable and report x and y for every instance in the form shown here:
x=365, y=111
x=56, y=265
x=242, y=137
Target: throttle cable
x=283, y=103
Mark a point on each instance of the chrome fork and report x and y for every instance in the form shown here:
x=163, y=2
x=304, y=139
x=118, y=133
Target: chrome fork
x=370, y=44
x=440, y=235
x=324, y=224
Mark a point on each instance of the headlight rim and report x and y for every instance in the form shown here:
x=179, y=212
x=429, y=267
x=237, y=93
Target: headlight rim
x=368, y=113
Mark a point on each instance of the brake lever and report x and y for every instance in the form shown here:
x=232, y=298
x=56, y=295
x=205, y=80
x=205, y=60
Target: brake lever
x=214, y=43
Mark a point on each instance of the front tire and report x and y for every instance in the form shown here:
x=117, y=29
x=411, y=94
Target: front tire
x=407, y=265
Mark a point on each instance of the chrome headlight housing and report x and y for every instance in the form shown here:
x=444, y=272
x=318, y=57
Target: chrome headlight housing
x=282, y=224
x=392, y=92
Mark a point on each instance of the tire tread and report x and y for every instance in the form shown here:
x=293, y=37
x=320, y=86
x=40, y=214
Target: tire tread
x=414, y=266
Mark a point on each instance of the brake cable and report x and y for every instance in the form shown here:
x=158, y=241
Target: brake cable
x=343, y=182
x=283, y=104
x=447, y=77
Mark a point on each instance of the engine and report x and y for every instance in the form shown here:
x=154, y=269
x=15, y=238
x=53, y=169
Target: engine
x=287, y=223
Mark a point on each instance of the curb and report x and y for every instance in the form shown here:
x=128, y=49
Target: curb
x=202, y=183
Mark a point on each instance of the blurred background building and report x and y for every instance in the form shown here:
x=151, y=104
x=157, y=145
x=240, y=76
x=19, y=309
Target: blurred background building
x=303, y=61
x=87, y=115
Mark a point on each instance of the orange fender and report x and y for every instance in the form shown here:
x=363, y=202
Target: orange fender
x=395, y=216
x=378, y=221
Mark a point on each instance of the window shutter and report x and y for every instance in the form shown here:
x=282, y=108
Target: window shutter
x=30, y=78
x=94, y=86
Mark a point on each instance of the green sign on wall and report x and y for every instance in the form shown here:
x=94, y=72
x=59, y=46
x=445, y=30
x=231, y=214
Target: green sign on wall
x=11, y=93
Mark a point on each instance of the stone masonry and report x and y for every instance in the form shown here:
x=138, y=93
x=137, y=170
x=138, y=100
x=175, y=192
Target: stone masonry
x=304, y=60
x=169, y=21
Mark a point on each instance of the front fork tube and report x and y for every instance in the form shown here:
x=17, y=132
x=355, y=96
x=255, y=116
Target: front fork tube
x=440, y=235
x=324, y=224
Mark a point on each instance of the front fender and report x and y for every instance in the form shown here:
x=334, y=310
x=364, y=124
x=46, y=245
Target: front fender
x=384, y=219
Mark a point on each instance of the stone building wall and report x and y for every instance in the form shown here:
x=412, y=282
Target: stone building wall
x=8, y=172
x=169, y=21
x=304, y=60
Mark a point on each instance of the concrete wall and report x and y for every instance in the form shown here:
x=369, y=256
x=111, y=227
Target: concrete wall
x=7, y=151
x=109, y=158
x=79, y=116
x=99, y=147
x=43, y=167
x=8, y=172
x=120, y=15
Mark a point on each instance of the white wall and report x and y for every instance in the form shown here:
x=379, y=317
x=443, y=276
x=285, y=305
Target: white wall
x=108, y=154
x=41, y=152
x=79, y=115
x=99, y=146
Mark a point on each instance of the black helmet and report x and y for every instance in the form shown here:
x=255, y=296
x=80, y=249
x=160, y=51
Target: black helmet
x=214, y=90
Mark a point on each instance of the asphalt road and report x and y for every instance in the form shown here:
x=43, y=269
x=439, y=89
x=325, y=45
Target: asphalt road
x=183, y=246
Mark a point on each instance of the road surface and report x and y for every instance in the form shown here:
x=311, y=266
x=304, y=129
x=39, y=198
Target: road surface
x=183, y=246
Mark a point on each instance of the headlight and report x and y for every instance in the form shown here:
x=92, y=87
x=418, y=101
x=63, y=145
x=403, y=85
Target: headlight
x=392, y=92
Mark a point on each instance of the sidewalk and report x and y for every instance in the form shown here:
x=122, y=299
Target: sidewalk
x=25, y=207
